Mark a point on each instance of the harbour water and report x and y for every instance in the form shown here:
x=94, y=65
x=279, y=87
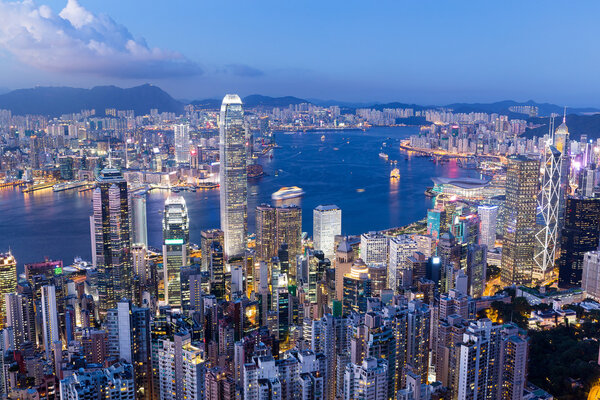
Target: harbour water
x=343, y=168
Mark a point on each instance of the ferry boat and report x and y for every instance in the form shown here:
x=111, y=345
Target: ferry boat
x=384, y=156
x=287, y=193
x=322, y=138
x=395, y=174
x=59, y=187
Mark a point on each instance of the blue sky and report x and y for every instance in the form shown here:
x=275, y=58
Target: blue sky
x=412, y=51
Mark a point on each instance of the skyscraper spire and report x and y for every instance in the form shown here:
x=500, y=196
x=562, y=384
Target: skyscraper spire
x=109, y=154
x=565, y=115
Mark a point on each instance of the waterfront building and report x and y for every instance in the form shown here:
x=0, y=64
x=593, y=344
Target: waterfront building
x=581, y=233
x=176, y=236
x=8, y=281
x=327, y=223
x=466, y=188
x=233, y=177
x=522, y=182
x=488, y=220
x=111, y=238
x=435, y=220
x=182, y=143
x=374, y=248
x=139, y=220
x=400, y=249
x=548, y=205
x=590, y=279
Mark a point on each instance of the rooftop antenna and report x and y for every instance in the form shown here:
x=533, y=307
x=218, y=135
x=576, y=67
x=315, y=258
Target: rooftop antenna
x=565, y=116
x=551, y=128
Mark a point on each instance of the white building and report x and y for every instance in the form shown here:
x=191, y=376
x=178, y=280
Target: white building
x=374, y=248
x=488, y=220
x=327, y=223
x=181, y=369
x=400, y=248
x=182, y=143
x=49, y=319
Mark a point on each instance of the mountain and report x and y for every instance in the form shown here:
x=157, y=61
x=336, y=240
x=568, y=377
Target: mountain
x=502, y=107
x=54, y=101
x=578, y=125
x=254, y=100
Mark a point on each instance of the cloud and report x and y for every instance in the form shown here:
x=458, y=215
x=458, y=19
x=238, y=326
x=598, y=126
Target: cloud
x=242, y=70
x=78, y=41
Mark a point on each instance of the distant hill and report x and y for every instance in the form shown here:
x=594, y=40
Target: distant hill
x=578, y=125
x=54, y=101
x=502, y=107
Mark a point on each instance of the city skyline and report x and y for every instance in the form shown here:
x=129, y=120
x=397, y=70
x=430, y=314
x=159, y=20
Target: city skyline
x=409, y=61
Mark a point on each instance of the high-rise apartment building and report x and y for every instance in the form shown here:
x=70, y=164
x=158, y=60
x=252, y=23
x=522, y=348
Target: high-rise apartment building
x=50, y=326
x=176, y=237
x=400, y=249
x=522, y=182
x=181, y=368
x=581, y=233
x=111, y=238
x=327, y=223
x=8, y=281
x=368, y=380
x=113, y=383
x=182, y=143
x=233, y=176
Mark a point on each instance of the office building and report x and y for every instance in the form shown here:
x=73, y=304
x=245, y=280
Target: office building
x=522, y=182
x=488, y=220
x=374, y=248
x=233, y=177
x=581, y=233
x=357, y=287
x=8, y=281
x=111, y=239
x=344, y=257
x=208, y=237
x=182, y=143
x=327, y=223
x=546, y=242
x=19, y=318
x=276, y=226
x=176, y=237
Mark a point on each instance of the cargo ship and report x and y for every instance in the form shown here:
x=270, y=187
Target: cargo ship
x=255, y=170
x=287, y=193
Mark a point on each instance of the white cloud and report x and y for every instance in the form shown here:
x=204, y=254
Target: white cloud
x=78, y=41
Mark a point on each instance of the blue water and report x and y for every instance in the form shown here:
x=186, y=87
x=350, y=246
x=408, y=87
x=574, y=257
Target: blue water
x=345, y=169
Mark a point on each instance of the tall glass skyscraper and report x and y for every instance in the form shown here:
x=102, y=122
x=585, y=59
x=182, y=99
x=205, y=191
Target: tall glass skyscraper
x=139, y=220
x=111, y=238
x=176, y=237
x=233, y=176
x=8, y=281
x=522, y=183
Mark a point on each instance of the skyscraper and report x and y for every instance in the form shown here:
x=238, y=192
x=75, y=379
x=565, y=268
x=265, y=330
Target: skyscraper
x=522, y=181
x=233, y=176
x=8, y=281
x=400, y=248
x=182, y=143
x=49, y=319
x=549, y=203
x=374, y=248
x=176, y=237
x=357, y=287
x=111, y=239
x=562, y=144
x=139, y=220
x=327, y=223
x=488, y=220
x=276, y=226
x=580, y=234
